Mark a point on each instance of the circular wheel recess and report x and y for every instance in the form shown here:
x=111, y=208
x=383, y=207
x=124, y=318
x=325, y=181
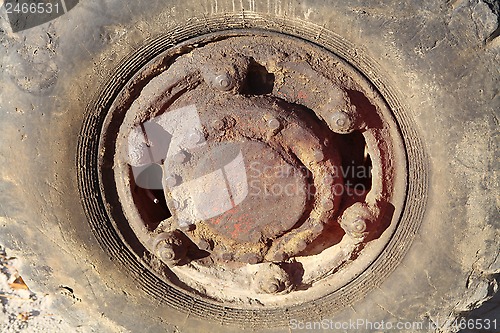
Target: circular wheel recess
x=252, y=173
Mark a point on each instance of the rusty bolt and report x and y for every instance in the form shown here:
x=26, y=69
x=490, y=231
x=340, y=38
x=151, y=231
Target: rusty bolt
x=223, y=82
x=355, y=219
x=273, y=124
x=341, y=122
x=180, y=157
x=171, y=180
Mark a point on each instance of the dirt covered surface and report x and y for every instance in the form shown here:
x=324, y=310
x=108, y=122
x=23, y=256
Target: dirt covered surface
x=23, y=310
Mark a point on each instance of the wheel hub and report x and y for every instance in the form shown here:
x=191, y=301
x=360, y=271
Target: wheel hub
x=236, y=164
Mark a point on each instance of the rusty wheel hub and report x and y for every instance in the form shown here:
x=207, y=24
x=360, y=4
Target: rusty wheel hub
x=249, y=177
x=257, y=166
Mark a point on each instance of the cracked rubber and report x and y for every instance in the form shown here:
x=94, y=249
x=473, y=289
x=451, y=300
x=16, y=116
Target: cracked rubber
x=436, y=61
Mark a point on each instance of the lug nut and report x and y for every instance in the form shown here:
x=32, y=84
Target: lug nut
x=180, y=157
x=355, y=219
x=271, y=287
x=341, y=122
x=169, y=248
x=223, y=82
x=272, y=279
x=166, y=253
x=341, y=119
x=273, y=124
x=171, y=181
x=359, y=225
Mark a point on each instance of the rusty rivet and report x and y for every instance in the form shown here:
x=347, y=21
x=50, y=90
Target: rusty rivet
x=355, y=219
x=328, y=180
x=273, y=124
x=272, y=279
x=301, y=245
x=341, y=121
x=223, y=82
x=204, y=245
x=250, y=258
x=171, y=180
x=318, y=155
x=180, y=157
x=328, y=204
x=218, y=124
x=195, y=137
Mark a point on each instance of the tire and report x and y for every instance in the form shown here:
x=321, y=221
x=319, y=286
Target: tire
x=436, y=64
